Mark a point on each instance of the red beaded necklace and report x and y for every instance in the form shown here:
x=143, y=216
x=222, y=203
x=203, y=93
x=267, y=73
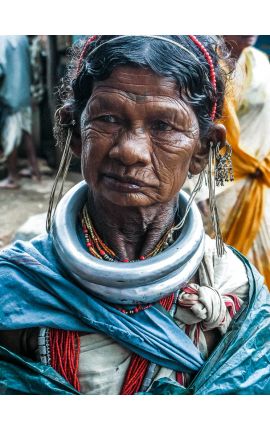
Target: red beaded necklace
x=65, y=344
x=99, y=249
x=138, y=366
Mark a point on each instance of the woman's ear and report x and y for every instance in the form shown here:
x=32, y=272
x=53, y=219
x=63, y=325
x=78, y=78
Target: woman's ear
x=76, y=142
x=66, y=118
x=216, y=134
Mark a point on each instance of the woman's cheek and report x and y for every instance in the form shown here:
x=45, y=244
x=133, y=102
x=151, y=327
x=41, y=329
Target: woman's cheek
x=174, y=175
x=92, y=144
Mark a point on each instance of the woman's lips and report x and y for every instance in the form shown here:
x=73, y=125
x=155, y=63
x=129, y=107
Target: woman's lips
x=122, y=184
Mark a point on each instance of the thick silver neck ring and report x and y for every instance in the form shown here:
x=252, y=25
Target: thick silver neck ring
x=142, y=282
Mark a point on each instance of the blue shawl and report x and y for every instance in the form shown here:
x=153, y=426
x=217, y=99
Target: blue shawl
x=35, y=291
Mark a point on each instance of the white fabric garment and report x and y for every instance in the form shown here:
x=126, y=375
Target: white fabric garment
x=103, y=363
x=14, y=125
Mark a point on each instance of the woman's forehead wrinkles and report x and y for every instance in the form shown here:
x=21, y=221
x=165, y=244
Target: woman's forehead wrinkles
x=137, y=82
x=116, y=97
x=121, y=102
x=138, y=92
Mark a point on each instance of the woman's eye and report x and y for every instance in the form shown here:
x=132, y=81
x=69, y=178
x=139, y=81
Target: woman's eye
x=108, y=118
x=161, y=126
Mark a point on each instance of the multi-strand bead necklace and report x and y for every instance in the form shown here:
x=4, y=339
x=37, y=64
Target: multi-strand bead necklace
x=99, y=249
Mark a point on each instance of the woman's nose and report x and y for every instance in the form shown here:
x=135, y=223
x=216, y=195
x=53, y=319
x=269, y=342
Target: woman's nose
x=132, y=148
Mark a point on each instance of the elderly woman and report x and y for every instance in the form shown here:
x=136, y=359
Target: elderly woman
x=125, y=294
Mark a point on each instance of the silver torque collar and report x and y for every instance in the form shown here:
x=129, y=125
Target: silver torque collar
x=144, y=281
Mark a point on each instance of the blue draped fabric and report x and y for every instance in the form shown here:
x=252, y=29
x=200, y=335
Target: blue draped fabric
x=35, y=291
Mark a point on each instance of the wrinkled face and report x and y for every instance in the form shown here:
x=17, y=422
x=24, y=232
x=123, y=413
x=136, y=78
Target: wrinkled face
x=138, y=138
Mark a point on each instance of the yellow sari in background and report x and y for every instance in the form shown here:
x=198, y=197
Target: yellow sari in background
x=244, y=205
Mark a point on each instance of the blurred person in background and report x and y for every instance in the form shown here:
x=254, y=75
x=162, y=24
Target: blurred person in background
x=244, y=205
x=15, y=107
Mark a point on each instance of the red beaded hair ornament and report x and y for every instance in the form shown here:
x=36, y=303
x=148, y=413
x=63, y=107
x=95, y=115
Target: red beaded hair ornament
x=212, y=71
x=85, y=47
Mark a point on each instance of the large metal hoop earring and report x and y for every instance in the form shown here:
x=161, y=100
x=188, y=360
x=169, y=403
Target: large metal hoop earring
x=62, y=170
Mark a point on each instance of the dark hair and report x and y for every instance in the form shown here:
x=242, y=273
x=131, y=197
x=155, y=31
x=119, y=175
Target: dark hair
x=163, y=58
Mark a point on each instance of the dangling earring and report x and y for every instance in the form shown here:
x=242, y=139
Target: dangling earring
x=62, y=170
x=219, y=170
x=224, y=170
